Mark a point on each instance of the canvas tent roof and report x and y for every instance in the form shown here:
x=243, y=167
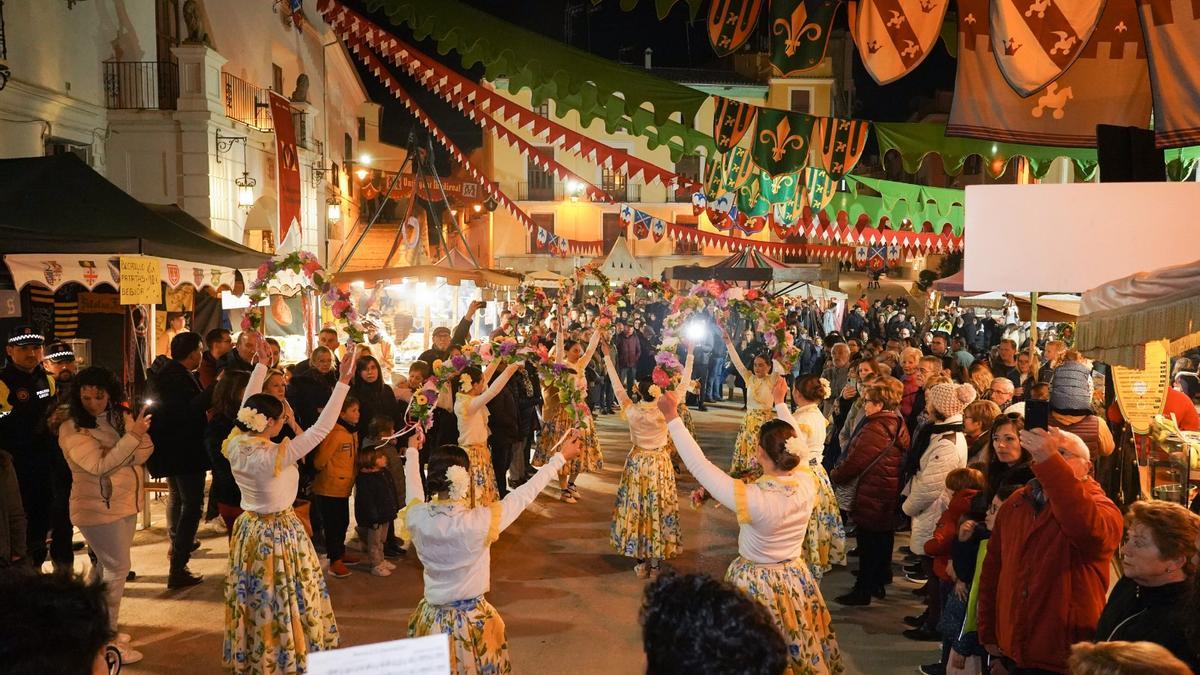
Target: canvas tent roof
x=454, y=268
x=1118, y=318
x=58, y=204
x=747, y=265
x=620, y=264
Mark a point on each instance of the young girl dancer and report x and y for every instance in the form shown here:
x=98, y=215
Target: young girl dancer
x=470, y=406
x=772, y=513
x=272, y=563
x=557, y=419
x=453, y=541
x=759, y=382
x=825, y=541
x=645, y=522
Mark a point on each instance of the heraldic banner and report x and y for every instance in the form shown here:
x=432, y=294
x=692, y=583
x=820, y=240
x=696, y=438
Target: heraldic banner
x=289, y=173
x=895, y=36
x=1108, y=84
x=1172, y=32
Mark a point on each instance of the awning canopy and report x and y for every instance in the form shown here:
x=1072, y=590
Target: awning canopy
x=747, y=265
x=620, y=265
x=1118, y=318
x=807, y=290
x=58, y=204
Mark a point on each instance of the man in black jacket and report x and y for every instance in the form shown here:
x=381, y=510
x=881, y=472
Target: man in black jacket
x=503, y=430
x=60, y=364
x=240, y=356
x=442, y=338
x=179, y=453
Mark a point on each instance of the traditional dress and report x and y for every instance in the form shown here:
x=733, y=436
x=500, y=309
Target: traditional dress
x=773, y=514
x=759, y=401
x=277, y=607
x=645, y=521
x=557, y=420
x=825, y=540
x=454, y=543
x=472, y=437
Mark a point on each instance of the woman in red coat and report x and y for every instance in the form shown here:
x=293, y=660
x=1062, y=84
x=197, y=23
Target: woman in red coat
x=1045, y=576
x=874, y=458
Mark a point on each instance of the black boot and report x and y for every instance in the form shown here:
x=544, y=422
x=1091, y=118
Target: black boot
x=857, y=597
x=183, y=578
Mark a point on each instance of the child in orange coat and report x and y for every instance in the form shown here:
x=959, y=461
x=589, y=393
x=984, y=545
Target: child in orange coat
x=335, y=463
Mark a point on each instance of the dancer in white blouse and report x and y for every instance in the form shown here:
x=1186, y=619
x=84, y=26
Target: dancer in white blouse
x=277, y=608
x=453, y=541
x=760, y=378
x=470, y=406
x=773, y=514
x=825, y=541
x=645, y=523
x=556, y=418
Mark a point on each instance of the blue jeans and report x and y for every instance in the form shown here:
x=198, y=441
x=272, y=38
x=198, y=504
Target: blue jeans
x=628, y=378
x=716, y=379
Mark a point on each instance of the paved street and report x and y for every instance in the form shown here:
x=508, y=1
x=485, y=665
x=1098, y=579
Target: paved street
x=569, y=603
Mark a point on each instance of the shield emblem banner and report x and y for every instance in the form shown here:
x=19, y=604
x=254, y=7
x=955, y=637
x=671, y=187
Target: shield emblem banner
x=658, y=228
x=718, y=211
x=819, y=187
x=1035, y=41
x=779, y=190
x=751, y=200
x=731, y=120
x=735, y=168
x=841, y=144
x=895, y=36
x=800, y=34
x=781, y=141
x=782, y=228
x=730, y=23
x=640, y=228
x=699, y=203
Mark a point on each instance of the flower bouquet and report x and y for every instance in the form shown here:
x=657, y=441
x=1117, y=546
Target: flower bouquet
x=422, y=403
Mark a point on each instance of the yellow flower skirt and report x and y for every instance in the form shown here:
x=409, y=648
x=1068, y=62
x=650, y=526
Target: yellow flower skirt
x=645, y=521
x=557, y=424
x=745, y=448
x=825, y=540
x=483, y=476
x=277, y=607
x=794, y=601
x=477, y=640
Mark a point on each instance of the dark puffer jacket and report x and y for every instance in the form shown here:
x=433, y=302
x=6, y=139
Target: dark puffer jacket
x=878, y=495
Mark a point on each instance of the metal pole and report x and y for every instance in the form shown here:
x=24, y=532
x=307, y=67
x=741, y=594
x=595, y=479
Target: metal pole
x=378, y=212
x=446, y=200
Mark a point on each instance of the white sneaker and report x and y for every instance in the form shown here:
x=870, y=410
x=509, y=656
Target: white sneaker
x=129, y=655
x=381, y=571
x=388, y=564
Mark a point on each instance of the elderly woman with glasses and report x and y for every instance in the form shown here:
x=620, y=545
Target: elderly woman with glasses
x=1153, y=602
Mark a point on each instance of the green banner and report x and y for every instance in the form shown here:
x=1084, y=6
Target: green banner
x=875, y=210
x=781, y=140
x=800, y=34
x=921, y=197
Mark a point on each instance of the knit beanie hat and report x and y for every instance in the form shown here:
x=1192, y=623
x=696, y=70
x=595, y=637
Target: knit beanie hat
x=951, y=399
x=1071, y=388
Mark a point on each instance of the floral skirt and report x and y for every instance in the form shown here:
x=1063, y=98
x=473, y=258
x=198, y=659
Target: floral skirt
x=277, y=607
x=825, y=540
x=645, y=521
x=483, y=476
x=794, y=601
x=745, y=448
x=554, y=426
x=477, y=640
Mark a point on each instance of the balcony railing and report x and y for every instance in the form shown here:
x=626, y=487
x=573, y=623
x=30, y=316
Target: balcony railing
x=141, y=85
x=539, y=191
x=624, y=192
x=246, y=103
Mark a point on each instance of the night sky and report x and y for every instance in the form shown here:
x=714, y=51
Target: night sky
x=607, y=31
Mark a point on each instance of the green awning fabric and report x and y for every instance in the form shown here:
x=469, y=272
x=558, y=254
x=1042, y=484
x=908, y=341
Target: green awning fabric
x=915, y=140
x=876, y=210
x=923, y=197
x=575, y=80
x=663, y=7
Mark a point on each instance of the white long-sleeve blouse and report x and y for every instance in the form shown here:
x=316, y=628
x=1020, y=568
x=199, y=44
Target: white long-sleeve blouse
x=772, y=512
x=810, y=425
x=266, y=471
x=647, y=426
x=454, y=541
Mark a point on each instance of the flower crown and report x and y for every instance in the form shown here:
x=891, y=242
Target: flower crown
x=826, y=389
x=465, y=382
x=460, y=481
x=796, y=447
x=252, y=419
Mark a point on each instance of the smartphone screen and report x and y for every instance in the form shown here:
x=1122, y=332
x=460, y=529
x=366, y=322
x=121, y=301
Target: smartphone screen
x=1037, y=414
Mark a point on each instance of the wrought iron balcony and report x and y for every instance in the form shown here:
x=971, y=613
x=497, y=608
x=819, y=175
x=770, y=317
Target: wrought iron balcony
x=141, y=85
x=246, y=103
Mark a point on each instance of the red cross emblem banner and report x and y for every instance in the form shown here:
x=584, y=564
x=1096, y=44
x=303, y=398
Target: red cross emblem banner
x=1035, y=41
x=895, y=36
x=288, y=162
x=1108, y=83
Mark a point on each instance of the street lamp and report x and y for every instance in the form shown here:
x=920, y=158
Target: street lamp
x=574, y=188
x=245, y=187
x=333, y=209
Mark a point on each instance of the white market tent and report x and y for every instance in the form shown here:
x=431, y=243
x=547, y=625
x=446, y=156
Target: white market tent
x=1118, y=318
x=807, y=290
x=620, y=265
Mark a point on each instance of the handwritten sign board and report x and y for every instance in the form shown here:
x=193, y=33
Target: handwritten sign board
x=1141, y=394
x=429, y=655
x=140, y=280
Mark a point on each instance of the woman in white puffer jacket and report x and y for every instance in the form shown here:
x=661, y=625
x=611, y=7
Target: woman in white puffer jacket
x=105, y=446
x=947, y=451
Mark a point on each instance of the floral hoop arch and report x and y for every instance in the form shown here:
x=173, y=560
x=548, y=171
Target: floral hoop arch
x=293, y=274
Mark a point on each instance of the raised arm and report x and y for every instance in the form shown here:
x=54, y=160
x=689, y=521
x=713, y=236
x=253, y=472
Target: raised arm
x=588, y=353
x=413, y=487
x=734, y=357
x=518, y=500
x=488, y=394
x=615, y=379
x=490, y=370
x=685, y=379
x=257, y=377
x=305, y=442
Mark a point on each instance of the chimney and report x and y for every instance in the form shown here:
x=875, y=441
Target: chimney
x=649, y=57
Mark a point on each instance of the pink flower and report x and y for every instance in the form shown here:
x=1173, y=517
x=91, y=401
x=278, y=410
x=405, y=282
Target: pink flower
x=661, y=378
